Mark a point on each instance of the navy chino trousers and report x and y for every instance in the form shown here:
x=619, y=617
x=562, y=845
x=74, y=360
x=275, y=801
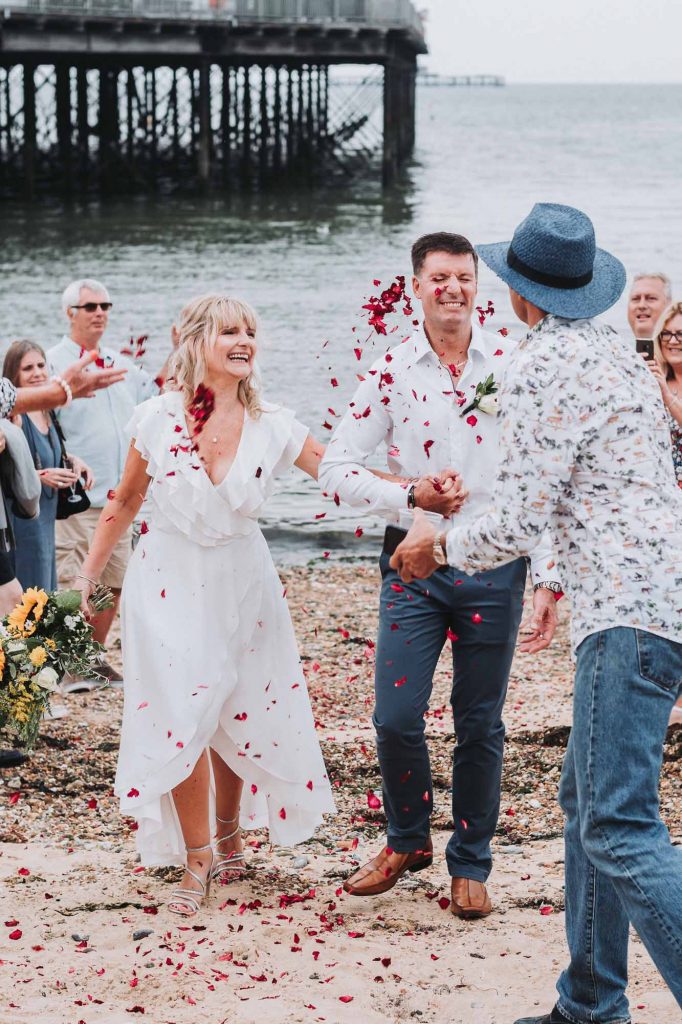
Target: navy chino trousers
x=484, y=613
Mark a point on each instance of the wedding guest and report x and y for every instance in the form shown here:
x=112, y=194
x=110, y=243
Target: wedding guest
x=96, y=430
x=667, y=369
x=217, y=719
x=19, y=479
x=586, y=450
x=423, y=400
x=649, y=295
x=26, y=365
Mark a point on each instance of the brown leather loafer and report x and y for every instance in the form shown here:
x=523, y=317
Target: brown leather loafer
x=380, y=874
x=469, y=899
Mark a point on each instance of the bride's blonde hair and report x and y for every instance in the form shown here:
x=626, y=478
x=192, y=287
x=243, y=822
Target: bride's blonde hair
x=201, y=323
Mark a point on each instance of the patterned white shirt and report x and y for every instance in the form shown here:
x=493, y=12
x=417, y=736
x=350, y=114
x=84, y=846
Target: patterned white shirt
x=8, y=397
x=585, y=450
x=408, y=401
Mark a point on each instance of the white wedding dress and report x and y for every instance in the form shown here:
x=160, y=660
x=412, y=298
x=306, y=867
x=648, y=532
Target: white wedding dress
x=209, y=652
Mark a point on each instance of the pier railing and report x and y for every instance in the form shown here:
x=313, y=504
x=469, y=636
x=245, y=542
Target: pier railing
x=388, y=13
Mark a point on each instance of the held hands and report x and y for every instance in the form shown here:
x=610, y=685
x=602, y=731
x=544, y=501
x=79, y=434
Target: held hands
x=84, y=382
x=537, y=631
x=413, y=559
x=443, y=493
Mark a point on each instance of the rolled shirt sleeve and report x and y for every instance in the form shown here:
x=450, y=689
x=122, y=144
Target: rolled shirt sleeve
x=365, y=426
x=539, y=440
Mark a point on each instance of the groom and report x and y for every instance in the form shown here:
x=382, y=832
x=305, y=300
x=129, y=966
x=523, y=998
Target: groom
x=586, y=450
x=423, y=399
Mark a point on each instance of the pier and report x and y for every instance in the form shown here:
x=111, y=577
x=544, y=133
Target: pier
x=106, y=96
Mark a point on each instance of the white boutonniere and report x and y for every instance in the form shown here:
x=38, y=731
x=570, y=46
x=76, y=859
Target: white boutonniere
x=485, y=399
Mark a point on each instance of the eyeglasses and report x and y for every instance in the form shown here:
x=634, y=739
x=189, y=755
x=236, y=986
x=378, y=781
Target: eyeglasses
x=92, y=307
x=667, y=336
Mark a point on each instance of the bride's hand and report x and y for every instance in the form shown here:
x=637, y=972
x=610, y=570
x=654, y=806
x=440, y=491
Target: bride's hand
x=86, y=588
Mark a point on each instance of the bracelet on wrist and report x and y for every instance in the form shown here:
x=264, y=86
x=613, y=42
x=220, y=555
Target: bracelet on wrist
x=80, y=576
x=65, y=386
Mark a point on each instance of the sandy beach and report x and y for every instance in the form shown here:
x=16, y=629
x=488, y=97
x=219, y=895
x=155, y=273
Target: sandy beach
x=85, y=938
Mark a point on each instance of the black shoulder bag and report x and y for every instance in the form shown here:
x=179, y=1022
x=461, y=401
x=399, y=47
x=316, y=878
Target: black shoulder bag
x=70, y=500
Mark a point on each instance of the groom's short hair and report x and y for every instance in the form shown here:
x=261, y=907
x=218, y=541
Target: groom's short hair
x=441, y=241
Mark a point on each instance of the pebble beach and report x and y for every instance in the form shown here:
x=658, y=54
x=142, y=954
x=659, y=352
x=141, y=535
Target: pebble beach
x=85, y=937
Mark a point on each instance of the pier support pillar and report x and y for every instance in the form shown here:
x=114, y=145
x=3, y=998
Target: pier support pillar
x=29, y=130
x=391, y=157
x=108, y=128
x=204, y=148
x=63, y=112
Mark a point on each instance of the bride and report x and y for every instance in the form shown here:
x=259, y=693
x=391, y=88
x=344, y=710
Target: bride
x=217, y=725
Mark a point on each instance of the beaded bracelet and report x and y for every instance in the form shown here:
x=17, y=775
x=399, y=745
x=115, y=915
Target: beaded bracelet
x=66, y=388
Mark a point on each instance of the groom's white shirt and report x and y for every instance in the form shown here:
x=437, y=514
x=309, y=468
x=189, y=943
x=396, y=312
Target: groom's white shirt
x=408, y=401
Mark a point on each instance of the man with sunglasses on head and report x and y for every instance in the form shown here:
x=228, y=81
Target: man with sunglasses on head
x=97, y=427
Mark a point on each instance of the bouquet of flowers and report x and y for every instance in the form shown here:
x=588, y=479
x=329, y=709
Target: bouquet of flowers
x=44, y=637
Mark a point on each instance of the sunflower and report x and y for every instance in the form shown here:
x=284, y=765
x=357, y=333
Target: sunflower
x=32, y=600
x=2, y=660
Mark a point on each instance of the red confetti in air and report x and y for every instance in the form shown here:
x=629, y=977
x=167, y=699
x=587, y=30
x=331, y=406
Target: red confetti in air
x=476, y=617
x=471, y=420
x=143, y=528
x=201, y=407
x=401, y=681
x=452, y=636
x=283, y=814
x=133, y=792
x=16, y=934
x=427, y=446
x=359, y=531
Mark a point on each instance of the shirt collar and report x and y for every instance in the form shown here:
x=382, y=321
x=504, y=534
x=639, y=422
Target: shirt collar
x=422, y=345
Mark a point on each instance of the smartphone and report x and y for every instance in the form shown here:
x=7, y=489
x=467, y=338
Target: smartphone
x=645, y=347
x=392, y=538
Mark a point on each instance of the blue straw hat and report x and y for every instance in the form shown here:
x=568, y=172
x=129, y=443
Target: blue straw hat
x=553, y=261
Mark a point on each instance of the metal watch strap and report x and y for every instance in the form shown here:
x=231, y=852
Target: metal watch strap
x=410, y=496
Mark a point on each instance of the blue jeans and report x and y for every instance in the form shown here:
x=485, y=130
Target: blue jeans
x=621, y=867
x=484, y=613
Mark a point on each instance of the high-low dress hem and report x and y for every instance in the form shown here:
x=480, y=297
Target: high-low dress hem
x=209, y=652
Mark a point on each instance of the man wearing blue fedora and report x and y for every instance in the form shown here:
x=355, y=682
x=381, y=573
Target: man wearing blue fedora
x=585, y=452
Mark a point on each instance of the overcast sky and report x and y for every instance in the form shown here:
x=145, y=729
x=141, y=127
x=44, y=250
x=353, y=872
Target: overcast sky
x=557, y=40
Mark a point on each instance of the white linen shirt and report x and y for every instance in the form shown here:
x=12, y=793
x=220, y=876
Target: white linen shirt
x=408, y=400
x=585, y=450
x=95, y=427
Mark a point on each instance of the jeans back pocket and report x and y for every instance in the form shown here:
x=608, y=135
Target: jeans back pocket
x=660, y=660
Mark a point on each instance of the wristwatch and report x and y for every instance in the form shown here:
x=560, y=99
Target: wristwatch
x=410, y=497
x=556, y=588
x=439, y=549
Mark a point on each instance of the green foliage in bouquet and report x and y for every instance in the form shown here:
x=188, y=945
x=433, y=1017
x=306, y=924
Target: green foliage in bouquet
x=44, y=637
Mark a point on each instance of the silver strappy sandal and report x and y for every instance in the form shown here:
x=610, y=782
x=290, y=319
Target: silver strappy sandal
x=191, y=899
x=231, y=866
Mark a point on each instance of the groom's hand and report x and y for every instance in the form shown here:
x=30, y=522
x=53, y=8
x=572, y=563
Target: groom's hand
x=413, y=559
x=536, y=632
x=443, y=493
